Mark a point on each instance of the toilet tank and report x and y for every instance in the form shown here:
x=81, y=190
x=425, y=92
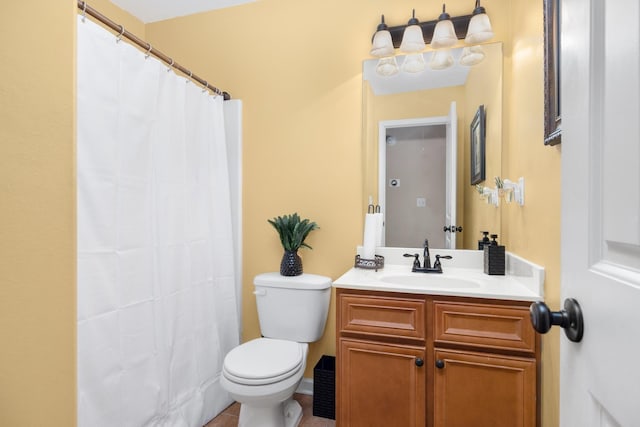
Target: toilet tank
x=292, y=308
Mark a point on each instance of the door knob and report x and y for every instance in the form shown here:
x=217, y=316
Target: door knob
x=419, y=361
x=570, y=319
x=439, y=363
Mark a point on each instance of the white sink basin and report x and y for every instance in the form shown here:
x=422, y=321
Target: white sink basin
x=429, y=280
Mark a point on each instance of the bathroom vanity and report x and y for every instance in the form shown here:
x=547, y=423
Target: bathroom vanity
x=413, y=351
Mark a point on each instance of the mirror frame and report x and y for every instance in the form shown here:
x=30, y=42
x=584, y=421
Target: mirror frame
x=552, y=117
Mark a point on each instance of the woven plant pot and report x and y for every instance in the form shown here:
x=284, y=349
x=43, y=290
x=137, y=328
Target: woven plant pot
x=291, y=264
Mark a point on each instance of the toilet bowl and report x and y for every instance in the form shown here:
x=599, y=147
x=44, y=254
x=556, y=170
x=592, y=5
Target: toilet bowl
x=262, y=374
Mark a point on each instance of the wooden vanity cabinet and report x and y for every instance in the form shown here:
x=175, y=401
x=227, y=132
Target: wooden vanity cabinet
x=422, y=360
x=486, y=358
x=381, y=369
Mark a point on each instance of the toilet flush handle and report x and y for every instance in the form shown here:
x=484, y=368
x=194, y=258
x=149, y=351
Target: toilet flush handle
x=260, y=292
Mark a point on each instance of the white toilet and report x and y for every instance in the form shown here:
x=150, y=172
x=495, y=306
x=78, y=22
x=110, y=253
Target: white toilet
x=263, y=374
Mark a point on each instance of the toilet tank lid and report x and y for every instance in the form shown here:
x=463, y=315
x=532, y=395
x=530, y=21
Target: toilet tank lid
x=303, y=281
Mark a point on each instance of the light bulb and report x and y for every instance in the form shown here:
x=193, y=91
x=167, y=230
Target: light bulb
x=472, y=55
x=414, y=63
x=412, y=38
x=441, y=59
x=479, y=30
x=387, y=66
x=382, y=45
x=444, y=35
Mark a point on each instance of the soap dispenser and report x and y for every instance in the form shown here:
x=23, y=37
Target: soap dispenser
x=485, y=240
x=494, y=257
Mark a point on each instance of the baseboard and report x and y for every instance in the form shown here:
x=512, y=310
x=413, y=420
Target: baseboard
x=306, y=386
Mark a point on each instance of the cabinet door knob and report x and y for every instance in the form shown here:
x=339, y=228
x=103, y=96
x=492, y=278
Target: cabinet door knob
x=439, y=364
x=419, y=361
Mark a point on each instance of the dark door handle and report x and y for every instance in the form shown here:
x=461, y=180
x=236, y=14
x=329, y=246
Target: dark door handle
x=570, y=319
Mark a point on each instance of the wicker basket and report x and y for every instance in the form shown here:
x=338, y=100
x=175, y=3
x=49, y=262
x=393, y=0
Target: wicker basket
x=324, y=388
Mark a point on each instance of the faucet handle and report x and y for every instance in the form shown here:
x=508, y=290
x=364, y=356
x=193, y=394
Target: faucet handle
x=416, y=260
x=437, y=264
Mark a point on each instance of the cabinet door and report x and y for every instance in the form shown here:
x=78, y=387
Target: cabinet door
x=484, y=390
x=380, y=385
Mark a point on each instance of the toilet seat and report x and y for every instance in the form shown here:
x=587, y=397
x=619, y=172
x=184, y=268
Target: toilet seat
x=263, y=361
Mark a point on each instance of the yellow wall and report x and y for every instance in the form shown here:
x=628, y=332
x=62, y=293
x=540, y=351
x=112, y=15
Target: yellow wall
x=533, y=231
x=297, y=66
x=482, y=89
x=37, y=214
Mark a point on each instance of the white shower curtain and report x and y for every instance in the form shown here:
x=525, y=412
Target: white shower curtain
x=157, y=305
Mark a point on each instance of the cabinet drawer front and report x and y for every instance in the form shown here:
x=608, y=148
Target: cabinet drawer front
x=486, y=326
x=383, y=316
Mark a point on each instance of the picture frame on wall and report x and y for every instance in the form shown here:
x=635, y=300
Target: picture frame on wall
x=552, y=117
x=478, y=133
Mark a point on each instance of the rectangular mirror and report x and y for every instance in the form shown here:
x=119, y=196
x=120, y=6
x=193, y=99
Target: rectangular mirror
x=413, y=188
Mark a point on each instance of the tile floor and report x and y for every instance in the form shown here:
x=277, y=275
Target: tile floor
x=229, y=417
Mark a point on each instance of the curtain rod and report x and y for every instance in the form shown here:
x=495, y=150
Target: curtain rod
x=88, y=10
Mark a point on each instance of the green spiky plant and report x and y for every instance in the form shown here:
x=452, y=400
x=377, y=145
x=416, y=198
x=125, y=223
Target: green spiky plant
x=293, y=230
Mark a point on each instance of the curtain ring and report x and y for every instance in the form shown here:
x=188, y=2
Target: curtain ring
x=190, y=76
x=121, y=34
x=170, y=66
x=206, y=87
x=148, y=51
x=84, y=11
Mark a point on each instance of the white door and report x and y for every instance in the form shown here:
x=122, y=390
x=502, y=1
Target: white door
x=600, y=56
x=451, y=123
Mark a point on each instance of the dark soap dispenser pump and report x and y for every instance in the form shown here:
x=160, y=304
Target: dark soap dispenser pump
x=485, y=240
x=494, y=257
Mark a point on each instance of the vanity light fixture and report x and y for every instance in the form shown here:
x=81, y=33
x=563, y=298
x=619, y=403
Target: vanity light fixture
x=382, y=47
x=444, y=35
x=472, y=55
x=440, y=34
x=479, y=30
x=412, y=37
x=441, y=59
x=413, y=44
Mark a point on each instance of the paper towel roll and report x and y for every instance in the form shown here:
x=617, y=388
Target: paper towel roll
x=379, y=228
x=370, y=235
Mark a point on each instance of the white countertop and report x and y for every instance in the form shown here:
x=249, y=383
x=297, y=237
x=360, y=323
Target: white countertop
x=462, y=276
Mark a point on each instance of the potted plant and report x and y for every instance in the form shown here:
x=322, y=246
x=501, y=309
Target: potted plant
x=292, y=230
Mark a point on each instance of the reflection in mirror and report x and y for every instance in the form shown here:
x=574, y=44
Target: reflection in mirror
x=428, y=96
